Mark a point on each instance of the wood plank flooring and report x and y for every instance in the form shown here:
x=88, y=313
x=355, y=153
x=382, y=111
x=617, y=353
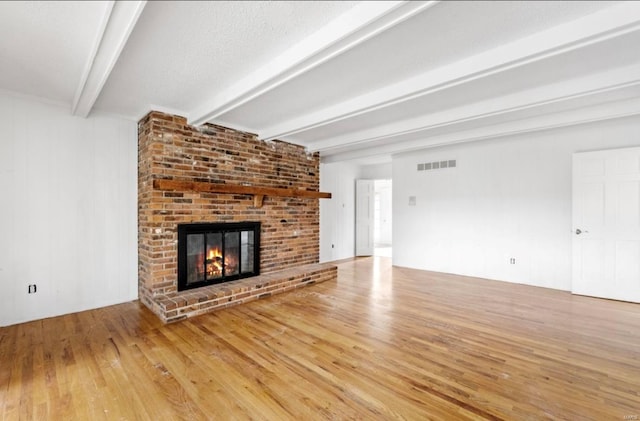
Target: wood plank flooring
x=380, y=343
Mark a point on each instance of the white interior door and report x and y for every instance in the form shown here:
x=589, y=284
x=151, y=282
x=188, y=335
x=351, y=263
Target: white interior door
x=606, y=224
x=364, y=217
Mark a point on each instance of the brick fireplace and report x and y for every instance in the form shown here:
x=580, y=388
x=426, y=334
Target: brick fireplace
x=214, y=174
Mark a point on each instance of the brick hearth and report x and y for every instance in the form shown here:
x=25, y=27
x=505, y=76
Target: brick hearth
x=170, y=149
x=176, y=306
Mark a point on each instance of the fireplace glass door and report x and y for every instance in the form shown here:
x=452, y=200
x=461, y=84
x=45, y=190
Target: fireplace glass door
x=215, y=253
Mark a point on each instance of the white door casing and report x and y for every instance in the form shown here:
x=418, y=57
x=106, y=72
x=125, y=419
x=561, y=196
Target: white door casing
x=606, y=224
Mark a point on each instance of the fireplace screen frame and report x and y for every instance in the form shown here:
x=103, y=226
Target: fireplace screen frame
x=184, y=230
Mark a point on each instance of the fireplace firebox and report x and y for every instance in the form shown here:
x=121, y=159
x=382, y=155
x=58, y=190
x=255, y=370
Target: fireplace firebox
x=213, y=253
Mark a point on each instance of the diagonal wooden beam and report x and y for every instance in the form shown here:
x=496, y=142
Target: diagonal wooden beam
x=589, y=30
x=362, y=22
x=422, y=140
x=119, y=19
x=597, y=85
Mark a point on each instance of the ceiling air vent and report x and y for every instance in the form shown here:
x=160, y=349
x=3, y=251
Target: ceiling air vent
x=438, y=165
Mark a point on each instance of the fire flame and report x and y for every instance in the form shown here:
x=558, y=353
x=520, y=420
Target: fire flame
x=213, y=253
x=214, y=262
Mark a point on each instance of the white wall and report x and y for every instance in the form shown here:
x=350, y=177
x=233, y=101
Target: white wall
x=375, y=171
x=384, y=215
x=68, y=212
x=508, y=197
x=337, y=215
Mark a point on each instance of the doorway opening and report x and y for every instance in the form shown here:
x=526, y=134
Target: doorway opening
x=382, y=221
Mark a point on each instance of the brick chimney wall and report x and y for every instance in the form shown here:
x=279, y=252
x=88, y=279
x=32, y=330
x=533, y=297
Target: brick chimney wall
x=169, y=148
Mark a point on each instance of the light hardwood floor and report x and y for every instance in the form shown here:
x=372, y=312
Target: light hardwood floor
x=380, y=343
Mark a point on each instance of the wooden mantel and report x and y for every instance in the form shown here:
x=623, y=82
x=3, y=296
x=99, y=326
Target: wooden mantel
x=258, y=193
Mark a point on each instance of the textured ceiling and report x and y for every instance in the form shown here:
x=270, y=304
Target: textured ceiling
x=446, y=33
x=352, y=80
x=44, y=46
x=182, y=52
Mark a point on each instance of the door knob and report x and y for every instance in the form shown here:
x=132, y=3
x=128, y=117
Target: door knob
x=579, y=231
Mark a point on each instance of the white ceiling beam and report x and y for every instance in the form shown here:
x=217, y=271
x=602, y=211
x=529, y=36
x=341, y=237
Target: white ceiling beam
x=80, y=90
x=362, y=22
x=591, y=29
x=540, y=97
x=592, y=114
x=119, y=19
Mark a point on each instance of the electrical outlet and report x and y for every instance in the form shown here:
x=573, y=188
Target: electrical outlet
x=512, y=260
x=33, y=288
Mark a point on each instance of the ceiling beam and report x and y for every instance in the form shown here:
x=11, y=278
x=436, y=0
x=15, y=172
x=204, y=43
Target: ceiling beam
x=362, y=22
x=592, y=114
x=539, y=98
x=589, y=30
x=119, y=19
